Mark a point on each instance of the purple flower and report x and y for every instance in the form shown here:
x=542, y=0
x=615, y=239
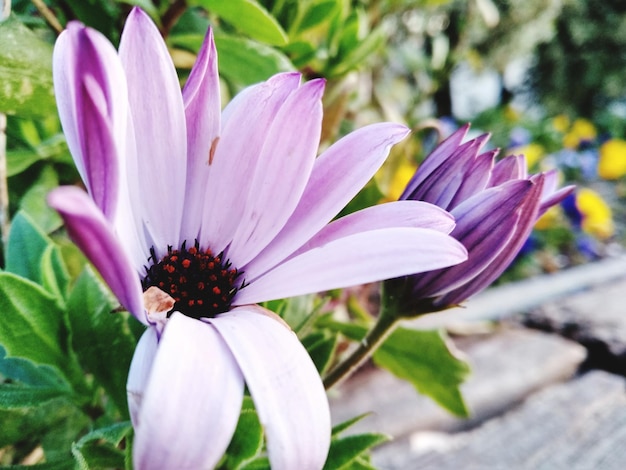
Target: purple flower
x=195, y=215
x=495, y=206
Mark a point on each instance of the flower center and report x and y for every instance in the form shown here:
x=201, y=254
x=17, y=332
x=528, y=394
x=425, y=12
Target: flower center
x=203, y=285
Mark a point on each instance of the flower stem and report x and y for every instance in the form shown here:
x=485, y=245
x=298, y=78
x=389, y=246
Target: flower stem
x=368, y=345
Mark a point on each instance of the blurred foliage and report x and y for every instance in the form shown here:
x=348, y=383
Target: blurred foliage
x=581, y=70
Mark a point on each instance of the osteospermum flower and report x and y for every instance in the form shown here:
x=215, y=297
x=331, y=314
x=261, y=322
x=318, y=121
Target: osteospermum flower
x=495, y=206
x=194, y=216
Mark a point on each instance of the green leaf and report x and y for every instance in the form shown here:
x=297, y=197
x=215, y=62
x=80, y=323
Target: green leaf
x=27, y=372
x=25, y=72
x=339, y=428
x=321, y=347
x=346, y=450
x=56, y=465
x=32, y=255
x=52, y=420
x=319, y=12
x=53, y=272
x=100, y=15
x=25, y=247
x=19, y=160
x=359, y=54
x=261, y=463
x=241, y=61
x=249, y=18
x=101, y=448
x=145, y=5
x=19, y=396
x=103, y=341
x=31, y=322
x=34, y=200
x=247, y=441
x=425, y=359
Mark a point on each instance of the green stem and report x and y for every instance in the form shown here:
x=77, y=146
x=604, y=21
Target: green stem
x=368, y=345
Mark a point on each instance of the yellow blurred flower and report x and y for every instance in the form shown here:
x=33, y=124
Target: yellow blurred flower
x=561, y=123
x=597, y=215
x=582, y=129
x=532, y=151
x=551, y=218
x=612, y=163
x=399, y=180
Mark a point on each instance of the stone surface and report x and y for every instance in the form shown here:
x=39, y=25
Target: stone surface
x=580, y=424
x=595, y=318
x=507, y=366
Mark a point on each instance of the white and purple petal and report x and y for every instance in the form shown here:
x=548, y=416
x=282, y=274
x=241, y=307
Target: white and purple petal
x=355, y=259
x=286, y=388
x=337, y=176
x=245, y=122
x=283, y=169
x=158, y=116
x=92, y=233
x=192, y=399
x=201, y=97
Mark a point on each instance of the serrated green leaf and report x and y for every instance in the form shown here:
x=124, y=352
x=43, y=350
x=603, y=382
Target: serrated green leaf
x=247, y=441
x=321, y=348
x=100, y=448
x=28, y=373
x=31, y=322
x=14, y=396
x=102, y=340
x=56, y=420
x=249, y=18
x=25, y=72
x=346, y=450
x=56, y=465
x=425, y=359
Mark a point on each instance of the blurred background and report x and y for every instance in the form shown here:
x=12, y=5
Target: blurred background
x=544, y=77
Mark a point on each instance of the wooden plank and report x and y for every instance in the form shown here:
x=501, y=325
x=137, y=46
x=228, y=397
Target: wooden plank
x=507, y=366
x=578, y=425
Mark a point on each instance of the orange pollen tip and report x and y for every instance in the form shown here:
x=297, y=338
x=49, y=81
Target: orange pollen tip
x=186, y=263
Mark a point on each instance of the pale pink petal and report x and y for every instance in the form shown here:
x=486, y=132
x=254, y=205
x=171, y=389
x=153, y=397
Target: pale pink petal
x=286, y=388
x=201, y=96
x=355, y=259
x=337, y=176
x=245, y=124
x=158, y=115
x=91, y=232
x=139, y=373
x=192, y=400
x=283, y=170
x=392, y=214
